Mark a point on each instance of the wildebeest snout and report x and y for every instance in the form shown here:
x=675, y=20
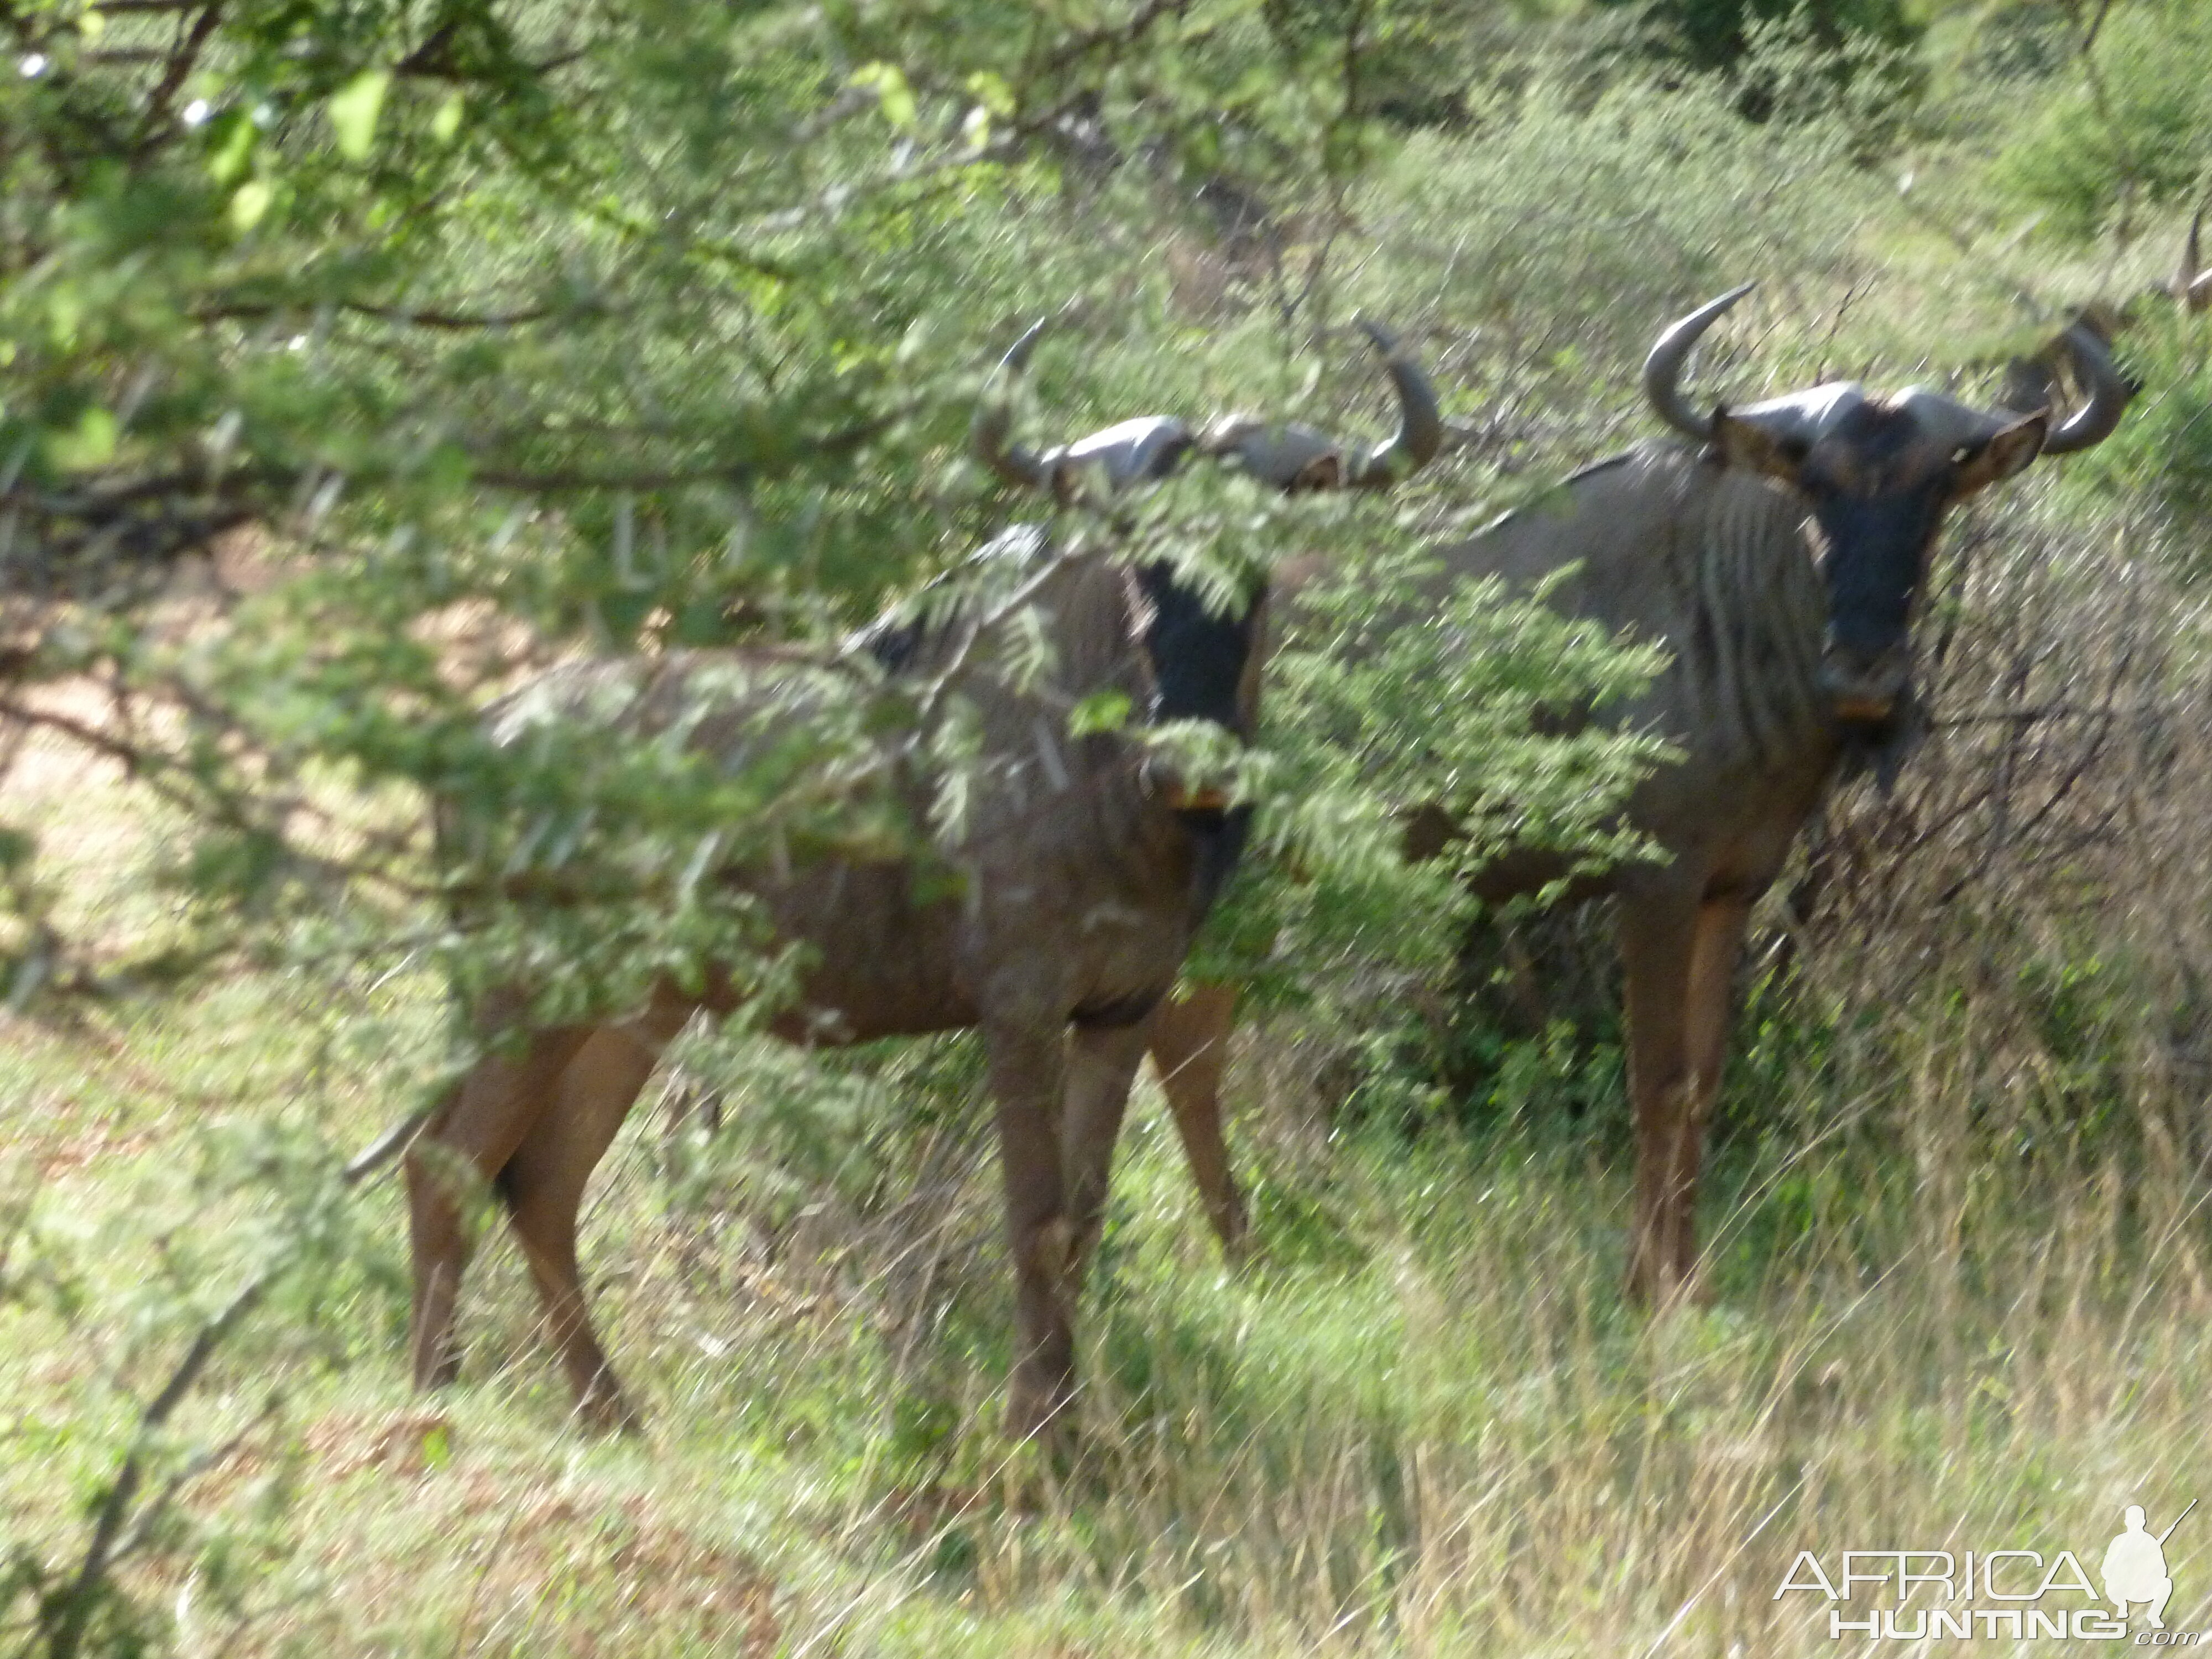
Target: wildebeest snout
x=1861, y=687
x=1201, y=793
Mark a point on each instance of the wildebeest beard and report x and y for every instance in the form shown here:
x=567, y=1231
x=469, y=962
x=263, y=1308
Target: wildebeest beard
x=1880, y=748
x=1197, y=653
x=1198, y=659
x=1220, y=834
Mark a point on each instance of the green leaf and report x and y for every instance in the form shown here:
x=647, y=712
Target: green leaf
x=1101, y=711
x=700, y=622
x=623, y=613
x=354, y=108
x=250, y=204
x=233, y=138
x=992, y=92
x=889, y=82
x=90, y=443
x=446, y=125
x=65, y=311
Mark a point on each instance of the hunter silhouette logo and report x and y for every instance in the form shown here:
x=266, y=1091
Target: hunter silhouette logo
x=2135, y=1566
x=2006, y=1595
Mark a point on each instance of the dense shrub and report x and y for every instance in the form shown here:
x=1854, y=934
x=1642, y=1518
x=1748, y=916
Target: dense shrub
x=2135, y=130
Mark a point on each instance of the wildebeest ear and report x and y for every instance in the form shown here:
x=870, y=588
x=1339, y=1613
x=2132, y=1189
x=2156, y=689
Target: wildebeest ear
x=2012, y=448
x=1748, y=445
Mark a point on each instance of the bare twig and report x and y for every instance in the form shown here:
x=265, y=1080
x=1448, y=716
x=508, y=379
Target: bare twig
x=411, y=316
x=142, y=1529
x=182, y=61
x=568, y=480
x=76, y=1602
x=1112, y=38
x=70, y=1615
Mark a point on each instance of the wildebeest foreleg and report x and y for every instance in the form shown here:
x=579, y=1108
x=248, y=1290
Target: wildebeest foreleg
x=544, y=1185
x=1101, y=1063
x=1027, y=1064
x=1189, y=1036
x=1719, y=943
x=1658, y=938
x=468, y=1140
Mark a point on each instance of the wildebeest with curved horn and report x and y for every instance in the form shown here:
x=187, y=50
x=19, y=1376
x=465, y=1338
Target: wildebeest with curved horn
x=1288, y=455
x=1079, y=869
x=1777, y=556
x=2031, y=381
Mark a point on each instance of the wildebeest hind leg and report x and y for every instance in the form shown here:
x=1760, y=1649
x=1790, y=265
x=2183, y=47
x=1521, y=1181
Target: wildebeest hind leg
x=1027, y=1061
x=468, y=1141
x=1101, y=1063
x=544, y=1185
x=1189, y=1036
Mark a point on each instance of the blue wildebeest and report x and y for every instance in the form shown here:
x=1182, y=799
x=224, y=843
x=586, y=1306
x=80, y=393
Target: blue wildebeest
x=1078, y=872
x=1776, y=556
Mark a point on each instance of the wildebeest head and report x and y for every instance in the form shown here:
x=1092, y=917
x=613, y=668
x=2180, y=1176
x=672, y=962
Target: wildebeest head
x=1878, y=472
x=1200, y=655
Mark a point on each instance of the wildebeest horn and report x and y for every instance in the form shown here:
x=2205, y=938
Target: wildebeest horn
x=2108, y=395
x=2192, y=284
x=1420, y=424
x=1662, y=369
x=989, y=434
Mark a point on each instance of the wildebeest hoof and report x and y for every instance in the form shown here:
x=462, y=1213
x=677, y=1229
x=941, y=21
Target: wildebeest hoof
x=603, y=1411
x=1041, y=1409
x=1659, y=1295
x=433, y=1375
x=1234, y=1228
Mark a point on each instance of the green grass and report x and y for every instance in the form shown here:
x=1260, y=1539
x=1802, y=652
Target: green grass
x=1422, y=1422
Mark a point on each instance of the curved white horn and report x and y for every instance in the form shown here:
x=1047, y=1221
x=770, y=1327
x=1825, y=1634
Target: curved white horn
x=989, y=434
x=2108, y=395
x=1662, y=369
